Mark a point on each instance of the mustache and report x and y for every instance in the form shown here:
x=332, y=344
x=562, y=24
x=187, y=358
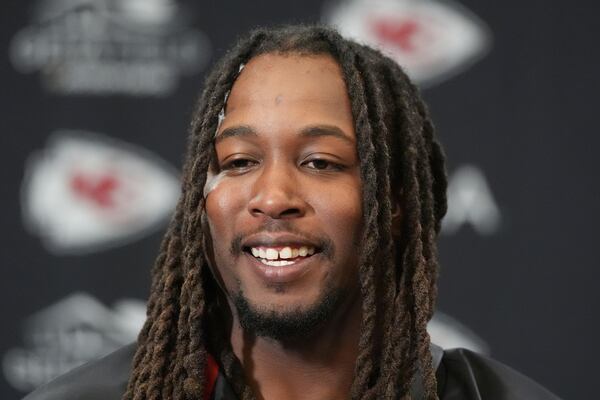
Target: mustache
x=324, y=243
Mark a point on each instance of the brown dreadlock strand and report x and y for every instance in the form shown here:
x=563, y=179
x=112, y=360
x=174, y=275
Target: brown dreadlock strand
x=376, y=94
x=398, y=155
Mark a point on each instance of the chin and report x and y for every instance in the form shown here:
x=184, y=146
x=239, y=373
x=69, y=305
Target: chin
x=287, y=319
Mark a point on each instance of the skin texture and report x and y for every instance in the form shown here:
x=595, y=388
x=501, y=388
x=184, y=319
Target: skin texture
x=287, y=164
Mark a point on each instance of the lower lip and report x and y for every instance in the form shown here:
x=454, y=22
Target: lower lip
x=283, y=274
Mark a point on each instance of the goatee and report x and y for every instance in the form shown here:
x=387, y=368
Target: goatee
x=287, y=325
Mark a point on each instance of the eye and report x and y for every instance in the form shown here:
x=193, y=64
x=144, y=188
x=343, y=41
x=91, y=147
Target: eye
x=321, y=164
x=238, y=164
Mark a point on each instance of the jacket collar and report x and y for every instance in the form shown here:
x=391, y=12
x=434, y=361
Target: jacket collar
x=223, y=391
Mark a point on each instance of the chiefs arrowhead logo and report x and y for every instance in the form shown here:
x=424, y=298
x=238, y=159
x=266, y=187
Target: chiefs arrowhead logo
x=99, y=189
x=431, y=40
x=85, y=192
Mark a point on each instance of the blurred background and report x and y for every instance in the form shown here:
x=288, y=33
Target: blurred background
x=96, y=98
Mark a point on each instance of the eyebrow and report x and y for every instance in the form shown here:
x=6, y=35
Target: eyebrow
x=308, y=132
x=325, y=130
x=235, y=131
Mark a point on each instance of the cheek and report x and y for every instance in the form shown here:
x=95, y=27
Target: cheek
x=340, y=212
x=223, y=204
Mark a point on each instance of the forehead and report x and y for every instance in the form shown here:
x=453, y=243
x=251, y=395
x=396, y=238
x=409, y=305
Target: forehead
x=290, y=89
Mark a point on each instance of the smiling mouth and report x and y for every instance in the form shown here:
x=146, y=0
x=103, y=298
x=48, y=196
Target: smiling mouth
x=281, y=256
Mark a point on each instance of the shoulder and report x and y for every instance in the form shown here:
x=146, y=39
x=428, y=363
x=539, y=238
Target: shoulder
x=104, y=379
x=463, y=374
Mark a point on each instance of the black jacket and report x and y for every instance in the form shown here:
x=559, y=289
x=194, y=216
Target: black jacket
x=461, y=375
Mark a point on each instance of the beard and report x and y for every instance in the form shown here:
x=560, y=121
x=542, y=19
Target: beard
x=288, y=325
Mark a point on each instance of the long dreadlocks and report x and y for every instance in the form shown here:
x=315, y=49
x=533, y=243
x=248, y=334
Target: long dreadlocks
x=399, y=156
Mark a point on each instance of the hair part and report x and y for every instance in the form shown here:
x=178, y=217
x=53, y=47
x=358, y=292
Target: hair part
x=398, y=153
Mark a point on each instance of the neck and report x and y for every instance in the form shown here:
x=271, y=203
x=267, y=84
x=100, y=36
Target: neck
x=319, y=367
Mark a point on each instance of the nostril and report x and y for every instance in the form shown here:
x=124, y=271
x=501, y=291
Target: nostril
x=290, y=212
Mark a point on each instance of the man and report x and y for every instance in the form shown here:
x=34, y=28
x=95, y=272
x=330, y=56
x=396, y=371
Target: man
x=301, y=261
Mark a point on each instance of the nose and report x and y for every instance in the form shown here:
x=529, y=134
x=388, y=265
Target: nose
x=275, y=194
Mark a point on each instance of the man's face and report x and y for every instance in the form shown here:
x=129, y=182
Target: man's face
x=284, y=204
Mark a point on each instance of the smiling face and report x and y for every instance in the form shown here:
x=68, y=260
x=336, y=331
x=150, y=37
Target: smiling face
x=284, y=197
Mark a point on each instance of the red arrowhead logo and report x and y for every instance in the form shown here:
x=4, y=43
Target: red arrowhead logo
x=98, y=190
x=85, y=192
x=397, y=33
x=431, y=40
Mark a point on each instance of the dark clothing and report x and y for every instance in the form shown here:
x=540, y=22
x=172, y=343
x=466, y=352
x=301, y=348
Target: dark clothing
x=464, y=374
x=461, y=375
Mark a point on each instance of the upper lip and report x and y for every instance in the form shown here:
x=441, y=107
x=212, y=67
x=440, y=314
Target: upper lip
x=277, y=240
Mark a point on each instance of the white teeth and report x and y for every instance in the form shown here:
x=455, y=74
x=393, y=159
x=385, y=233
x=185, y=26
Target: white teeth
x=272, y=254
x=283, y=254
x=280, y=263
x=286, y=252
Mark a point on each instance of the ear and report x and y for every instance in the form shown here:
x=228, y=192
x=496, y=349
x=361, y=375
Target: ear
x=397, y=212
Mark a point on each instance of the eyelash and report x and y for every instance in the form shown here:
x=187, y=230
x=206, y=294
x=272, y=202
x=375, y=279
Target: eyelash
x=231, y=165
x=330, y=165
